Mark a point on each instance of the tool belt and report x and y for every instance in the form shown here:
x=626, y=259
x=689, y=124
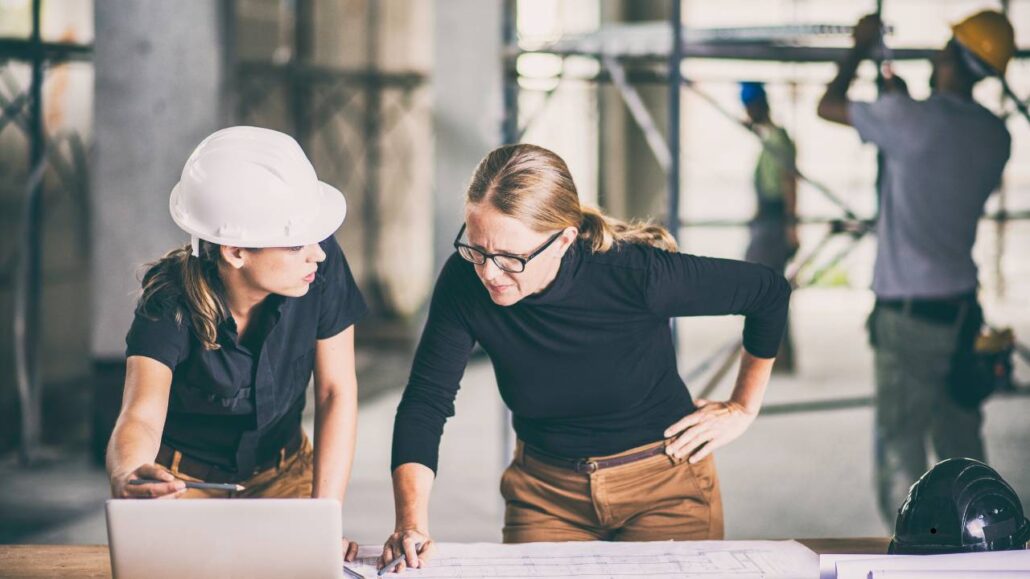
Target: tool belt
x=982, y=363
x=209, y=472
x=587, y=465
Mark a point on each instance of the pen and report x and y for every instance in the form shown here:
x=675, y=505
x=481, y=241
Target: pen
x=389, y=566
x=193, y=485
x=352, y=573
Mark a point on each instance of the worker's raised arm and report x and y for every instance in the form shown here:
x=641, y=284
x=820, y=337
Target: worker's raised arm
x=833, y=106
x=137, y=433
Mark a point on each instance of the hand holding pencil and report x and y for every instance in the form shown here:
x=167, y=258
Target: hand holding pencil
x=152, y=481
x=228, y=487
x=167, y=487
x=407, y=548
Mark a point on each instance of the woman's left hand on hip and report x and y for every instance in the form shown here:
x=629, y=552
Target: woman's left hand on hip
x=712, y=425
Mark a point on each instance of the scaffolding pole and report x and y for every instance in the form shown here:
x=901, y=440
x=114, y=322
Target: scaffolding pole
x=672, y=222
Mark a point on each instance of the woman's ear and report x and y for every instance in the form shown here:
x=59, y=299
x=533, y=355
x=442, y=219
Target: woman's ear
x=568, y=237
x=233, y=256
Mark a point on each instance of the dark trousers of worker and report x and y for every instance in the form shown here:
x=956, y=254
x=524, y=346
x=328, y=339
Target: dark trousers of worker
x=913, y=358
x=291, y=478
x=769, y=247
x=654, y=499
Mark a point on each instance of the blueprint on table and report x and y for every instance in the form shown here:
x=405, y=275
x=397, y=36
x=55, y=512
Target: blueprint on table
x=597, y=559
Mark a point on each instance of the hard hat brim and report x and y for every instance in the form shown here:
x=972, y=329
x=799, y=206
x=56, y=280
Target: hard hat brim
x=331, y=213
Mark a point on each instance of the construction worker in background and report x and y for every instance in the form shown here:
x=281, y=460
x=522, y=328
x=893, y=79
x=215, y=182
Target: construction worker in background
x=774, y=238
x=943, y=157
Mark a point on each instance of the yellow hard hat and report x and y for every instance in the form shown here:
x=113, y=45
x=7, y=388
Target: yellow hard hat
x=989, y=36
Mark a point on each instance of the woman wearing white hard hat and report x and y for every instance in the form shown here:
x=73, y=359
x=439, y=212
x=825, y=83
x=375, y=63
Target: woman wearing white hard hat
x=230, y=327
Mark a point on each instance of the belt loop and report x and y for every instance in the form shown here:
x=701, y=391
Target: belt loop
x=586, y=466
x=176, y=457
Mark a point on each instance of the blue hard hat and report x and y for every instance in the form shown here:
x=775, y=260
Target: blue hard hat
x=751, y=91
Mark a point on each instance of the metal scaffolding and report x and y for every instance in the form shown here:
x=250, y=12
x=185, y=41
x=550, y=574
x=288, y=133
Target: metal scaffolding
x=652, y=53
x=22, y=108
x=370, y=101
x=316, y=97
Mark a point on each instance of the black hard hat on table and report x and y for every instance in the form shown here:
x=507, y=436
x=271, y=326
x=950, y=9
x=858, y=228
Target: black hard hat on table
x=960, y=505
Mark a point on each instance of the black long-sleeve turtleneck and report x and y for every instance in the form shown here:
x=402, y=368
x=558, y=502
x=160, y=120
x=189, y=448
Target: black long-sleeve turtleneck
x=587, y=366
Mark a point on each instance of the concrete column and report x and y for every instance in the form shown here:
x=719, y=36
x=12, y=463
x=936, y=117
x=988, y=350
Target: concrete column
x=160, y=89
x=468, y=109
x=159, y=92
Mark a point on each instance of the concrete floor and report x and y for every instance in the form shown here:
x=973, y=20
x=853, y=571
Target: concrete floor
x=804, y=474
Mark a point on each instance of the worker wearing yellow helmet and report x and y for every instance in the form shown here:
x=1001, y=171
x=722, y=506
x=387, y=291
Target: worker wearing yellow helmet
x=943, y=157
x=988, y=41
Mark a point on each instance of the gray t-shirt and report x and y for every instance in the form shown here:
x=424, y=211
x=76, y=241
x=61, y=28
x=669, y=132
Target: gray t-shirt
x=944, y=156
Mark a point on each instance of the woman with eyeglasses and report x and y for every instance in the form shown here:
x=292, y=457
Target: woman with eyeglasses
x=574, y=309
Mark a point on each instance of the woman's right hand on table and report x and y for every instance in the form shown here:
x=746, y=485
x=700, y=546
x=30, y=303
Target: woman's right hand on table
x=403, y=542
x=169, y=487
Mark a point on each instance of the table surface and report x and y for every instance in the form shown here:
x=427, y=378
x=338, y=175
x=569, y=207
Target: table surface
x=94, y=561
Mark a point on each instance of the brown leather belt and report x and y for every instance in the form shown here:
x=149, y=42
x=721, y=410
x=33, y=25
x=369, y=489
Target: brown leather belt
x=208, y=472
x=586, y=465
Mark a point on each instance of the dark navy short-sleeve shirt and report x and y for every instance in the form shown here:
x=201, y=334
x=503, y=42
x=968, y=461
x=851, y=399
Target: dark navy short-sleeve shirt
x=234, y=407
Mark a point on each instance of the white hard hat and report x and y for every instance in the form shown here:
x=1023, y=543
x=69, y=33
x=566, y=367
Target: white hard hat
x=253, y=187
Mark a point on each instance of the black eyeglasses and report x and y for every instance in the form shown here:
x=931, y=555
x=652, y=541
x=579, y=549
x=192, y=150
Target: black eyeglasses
x=505, y=261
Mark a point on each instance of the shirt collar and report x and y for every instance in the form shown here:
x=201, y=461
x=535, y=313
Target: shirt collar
x=276, y=302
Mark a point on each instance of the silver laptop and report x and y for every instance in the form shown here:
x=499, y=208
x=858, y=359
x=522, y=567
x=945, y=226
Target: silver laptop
x=252, y=538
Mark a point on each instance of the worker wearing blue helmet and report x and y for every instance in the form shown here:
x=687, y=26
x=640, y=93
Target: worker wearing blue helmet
x=773, y=230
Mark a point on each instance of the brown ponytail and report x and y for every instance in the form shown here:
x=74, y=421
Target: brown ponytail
x=179, y=280
x=533, y=185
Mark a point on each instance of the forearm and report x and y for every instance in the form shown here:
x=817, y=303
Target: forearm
x=133, y=443
x=846, y=72
x=833, y=104
x=752, y=381
x=336, y=419
x=412, y=485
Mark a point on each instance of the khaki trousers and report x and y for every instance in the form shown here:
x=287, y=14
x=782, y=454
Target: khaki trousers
x=292, y=478
x=654, y=499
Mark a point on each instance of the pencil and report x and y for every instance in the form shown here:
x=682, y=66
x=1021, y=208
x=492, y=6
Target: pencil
x=352, y=573
x=389, y=566
x=193, y=485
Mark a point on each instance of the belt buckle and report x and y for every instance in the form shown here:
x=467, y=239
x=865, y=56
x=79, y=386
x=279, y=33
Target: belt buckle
x=584, y=466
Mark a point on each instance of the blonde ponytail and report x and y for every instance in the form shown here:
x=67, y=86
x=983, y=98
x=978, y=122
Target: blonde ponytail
x=604, y=232
x=533, y=185
x=179, y=279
